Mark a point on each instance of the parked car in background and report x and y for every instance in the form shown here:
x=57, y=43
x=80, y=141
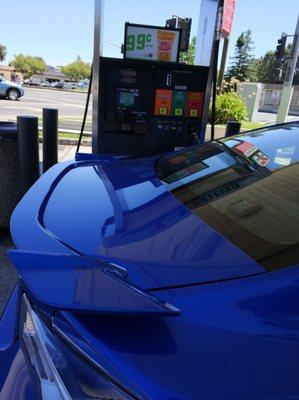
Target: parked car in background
x=57, y=85
x=83, y=83
x=45, y=84
x=10, y=90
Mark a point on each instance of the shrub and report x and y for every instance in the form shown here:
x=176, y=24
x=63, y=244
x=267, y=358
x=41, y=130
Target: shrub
x=229, y=107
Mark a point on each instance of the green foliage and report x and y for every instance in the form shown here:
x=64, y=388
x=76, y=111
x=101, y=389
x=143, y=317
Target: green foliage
x=230, y=85
x=28, y=65
x=229, y=107
x=241, y=65
x=2, y=52
x=271, y=70
x=188, y=57
x=77, y=70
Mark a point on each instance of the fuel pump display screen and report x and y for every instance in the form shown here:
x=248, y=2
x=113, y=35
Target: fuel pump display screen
x=126, y=97
x=149, y=107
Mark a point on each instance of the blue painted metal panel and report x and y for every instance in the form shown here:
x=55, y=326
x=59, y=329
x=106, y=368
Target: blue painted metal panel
x=82, y=284
x=234, y=340
x=238, y=333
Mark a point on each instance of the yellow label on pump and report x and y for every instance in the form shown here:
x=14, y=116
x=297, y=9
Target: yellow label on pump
x=178, y=111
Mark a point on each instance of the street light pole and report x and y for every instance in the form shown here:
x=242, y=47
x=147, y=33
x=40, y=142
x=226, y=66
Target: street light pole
x=287, y=90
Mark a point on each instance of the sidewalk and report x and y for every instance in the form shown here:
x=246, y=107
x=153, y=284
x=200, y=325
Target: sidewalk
x=270, y=118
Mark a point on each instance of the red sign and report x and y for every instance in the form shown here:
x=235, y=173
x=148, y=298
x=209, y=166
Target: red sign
x=227, y=17
x=194, y=104
x=163, y=102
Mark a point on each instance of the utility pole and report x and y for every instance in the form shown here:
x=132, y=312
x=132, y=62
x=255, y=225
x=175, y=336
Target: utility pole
x=222, y=64
x=287, y=90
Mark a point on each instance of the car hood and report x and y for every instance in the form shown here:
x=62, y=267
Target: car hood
x=13, y=84
x=119, y=211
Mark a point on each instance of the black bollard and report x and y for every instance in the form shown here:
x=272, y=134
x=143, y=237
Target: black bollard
x=50, y=128
x=232, y=128
x=28, y=151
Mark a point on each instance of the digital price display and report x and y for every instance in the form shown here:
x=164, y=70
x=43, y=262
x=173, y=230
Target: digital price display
x=155, y=43
x=179, y=103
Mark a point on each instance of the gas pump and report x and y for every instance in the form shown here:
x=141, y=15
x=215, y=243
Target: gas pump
x=146, y=103
x=149, y=107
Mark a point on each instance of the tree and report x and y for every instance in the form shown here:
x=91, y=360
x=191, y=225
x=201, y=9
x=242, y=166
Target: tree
x=2, y=52
x=271, y=70
x=188, y=57
x=241, y=66
x=28, y=65
x=77, y=70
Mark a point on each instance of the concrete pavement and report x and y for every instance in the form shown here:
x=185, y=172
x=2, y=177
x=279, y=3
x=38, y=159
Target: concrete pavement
x=270, y=118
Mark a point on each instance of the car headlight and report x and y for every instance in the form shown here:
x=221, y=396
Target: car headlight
x=61, y=374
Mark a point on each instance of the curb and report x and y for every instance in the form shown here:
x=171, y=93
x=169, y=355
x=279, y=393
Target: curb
x=70, y=142
x=53, y=89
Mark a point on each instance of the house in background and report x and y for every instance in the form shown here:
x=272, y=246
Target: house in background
x=51, y=75
x=10, y=74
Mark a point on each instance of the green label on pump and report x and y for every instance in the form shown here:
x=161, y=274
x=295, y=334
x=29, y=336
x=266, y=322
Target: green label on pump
x=179, y=100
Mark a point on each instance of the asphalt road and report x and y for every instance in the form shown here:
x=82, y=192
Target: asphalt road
x=70, y=106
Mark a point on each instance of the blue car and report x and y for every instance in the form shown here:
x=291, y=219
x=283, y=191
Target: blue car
x=166, y=277
x=10, y=90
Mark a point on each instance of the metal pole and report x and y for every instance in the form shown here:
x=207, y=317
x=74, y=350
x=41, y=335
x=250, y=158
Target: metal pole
x=50, y=129
x=215, y=66
x=28, y=151
x=205, y=51
x=97, y=52
x=287, y=90
x=222, y=64
x=214, y=93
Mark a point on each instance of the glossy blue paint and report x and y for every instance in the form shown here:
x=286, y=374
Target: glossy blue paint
x=19, y=382
x=238, y=333
x=82, y=284
x=234, y=340
x=122, y=213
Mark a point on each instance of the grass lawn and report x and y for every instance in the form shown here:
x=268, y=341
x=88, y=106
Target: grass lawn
x=247, y=125
x=67, y=135
x=252, y=125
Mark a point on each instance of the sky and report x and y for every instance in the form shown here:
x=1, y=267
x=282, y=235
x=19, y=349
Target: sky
x=60, y=30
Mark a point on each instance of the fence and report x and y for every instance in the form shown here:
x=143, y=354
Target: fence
x=270, y=99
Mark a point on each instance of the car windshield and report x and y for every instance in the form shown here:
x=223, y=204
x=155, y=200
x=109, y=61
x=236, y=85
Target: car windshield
x=248, y=196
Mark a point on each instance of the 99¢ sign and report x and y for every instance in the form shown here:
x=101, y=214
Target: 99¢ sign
x=151, y=43
x=137, y=42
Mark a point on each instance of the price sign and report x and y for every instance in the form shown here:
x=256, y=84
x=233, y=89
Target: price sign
x=144, y=42
x=227, y=17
